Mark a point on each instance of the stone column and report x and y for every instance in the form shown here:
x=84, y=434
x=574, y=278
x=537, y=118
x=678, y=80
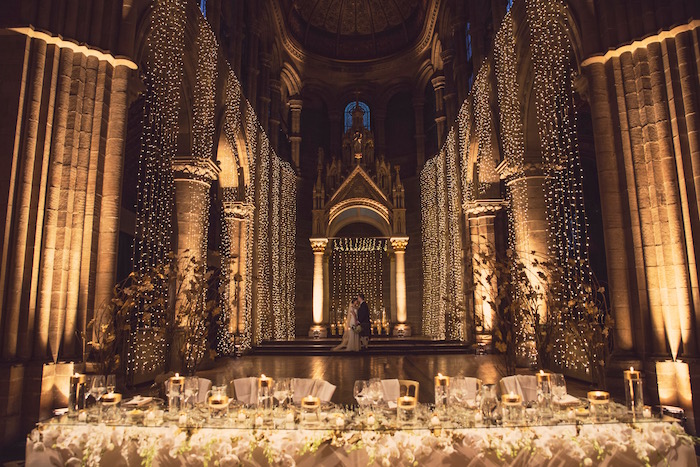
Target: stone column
x=263, y=109
x=237, y=215
x=274, y=122
x=295, y=133
x=418, y=103
x=253, y=45
x=481, y=216
x=459, y=33
x=450, y=96
x=440, y=119
x=399, y=245
x=318, y=245
x=192, y=179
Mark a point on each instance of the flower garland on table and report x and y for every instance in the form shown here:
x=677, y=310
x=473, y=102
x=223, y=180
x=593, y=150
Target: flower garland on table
x=90, y=445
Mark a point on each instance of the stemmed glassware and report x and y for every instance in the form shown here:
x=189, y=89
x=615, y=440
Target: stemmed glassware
x=376, y=392
x=111, y=383
x=360, y=392
x=97, y=389
x=191, y=392
x=283, y=391
x=558, y=387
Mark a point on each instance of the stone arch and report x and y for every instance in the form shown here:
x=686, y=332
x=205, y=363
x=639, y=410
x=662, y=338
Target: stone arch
x=355, y=211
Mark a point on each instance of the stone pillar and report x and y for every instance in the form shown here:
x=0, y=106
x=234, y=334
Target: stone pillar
x=295, y=133
x=440, y=119
x=275, y=108
x=253, y=57
x=237, y=215
x=318, y=245
x=399, y=245
x=263, y=109
x=418, y=103
x=192, y=180
x=450, y=96
x=459, y=34
x=481, y=217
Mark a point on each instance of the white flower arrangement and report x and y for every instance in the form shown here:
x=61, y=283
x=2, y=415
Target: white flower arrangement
x=91, y=445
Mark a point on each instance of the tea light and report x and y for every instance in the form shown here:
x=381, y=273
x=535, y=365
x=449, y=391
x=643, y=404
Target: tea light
x=435, y=420
x=150, y=416
x=646, y=413
x=478, y=417
x=634, y=393
x=339, y=421
x=406, y=408
x=512, y=407
x=599, y=404
x=371, y=420
x=182, y=420
x=289, y=418
x=241, y=416
x=265, y=392
x=442, y=390
x=310, y=406
x=258, y=420
x=111, y=398
x=175, y=392
x=82, y=416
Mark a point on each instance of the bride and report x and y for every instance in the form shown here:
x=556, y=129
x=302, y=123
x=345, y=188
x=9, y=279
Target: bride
x=351, y=338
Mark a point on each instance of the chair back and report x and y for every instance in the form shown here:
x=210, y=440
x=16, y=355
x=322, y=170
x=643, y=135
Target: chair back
x=525, y=385
x=408, y=387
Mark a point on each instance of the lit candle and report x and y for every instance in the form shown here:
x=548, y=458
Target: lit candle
x=76, y=395
x=258, y=420
x=265, y=392
x=339, y=421
x=646, y=413
x=241, y=416
x=182, y=420
x=634, y=394
x=442, y=387
x=176, y=392
x=289, y=418
x=371, y=420
x=512, y=408
x=82, y=416
x=599, y=402
x=435, y=420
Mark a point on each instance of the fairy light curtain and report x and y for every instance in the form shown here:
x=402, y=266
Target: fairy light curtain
x=357, y=265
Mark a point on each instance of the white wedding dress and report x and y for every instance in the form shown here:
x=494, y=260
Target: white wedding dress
x=351, y=339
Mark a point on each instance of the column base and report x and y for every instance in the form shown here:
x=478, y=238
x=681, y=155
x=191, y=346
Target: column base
x=318, y=331
x=402, y=330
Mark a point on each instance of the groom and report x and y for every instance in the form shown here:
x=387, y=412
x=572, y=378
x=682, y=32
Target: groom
x=363, y=319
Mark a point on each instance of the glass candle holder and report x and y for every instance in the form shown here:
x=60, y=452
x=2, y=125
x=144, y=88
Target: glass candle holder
x=218, y=402
x=76, y=394
x=110, y=406
x=599, y=408
x=176, y=391
x=265, y=393
x=310, y=410
x=634, y=392
x=512, y=408
x=442, y=391
x=406, y=409
x=544, y=395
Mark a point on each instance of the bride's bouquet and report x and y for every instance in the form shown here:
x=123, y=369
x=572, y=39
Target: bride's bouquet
x=357, y=328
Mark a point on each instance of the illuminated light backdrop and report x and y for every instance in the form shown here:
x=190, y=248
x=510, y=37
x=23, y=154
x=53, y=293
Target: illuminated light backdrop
x=357, y=265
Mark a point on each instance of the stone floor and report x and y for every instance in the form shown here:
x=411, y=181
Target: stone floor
x=343, y=370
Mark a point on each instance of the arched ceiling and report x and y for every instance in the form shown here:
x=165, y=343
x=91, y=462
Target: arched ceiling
x=355, y=29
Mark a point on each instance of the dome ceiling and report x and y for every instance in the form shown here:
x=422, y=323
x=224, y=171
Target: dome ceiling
x=355, y=29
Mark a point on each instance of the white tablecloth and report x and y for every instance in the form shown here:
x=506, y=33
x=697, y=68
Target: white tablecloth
x=615, y=445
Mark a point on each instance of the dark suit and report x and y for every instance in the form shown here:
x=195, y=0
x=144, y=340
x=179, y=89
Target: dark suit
x=363, y=319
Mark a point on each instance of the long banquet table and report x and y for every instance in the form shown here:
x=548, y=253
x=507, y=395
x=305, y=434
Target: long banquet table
x=239, y=440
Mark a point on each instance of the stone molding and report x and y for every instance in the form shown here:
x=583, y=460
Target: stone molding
x=484, y=206
x=203, y=170
x=510, y=172
x=239, y=210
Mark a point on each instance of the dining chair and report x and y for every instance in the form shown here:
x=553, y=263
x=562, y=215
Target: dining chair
x=408, y=387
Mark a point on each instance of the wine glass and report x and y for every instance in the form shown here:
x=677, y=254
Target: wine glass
x=458, y=391
x=98, y=386
x=558, y=386
x=359, y=392
x=191, y=391
x=282, y=390
x=111, y=383
x=375, y=393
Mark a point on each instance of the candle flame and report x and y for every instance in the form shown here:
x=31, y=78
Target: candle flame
x=262, y=376
x=439, y=375
x=541, y=372
x=631, y=369
x=177, y=375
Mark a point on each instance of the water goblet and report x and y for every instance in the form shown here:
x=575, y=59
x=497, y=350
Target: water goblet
x=97, y=389
x=282, y=389
x=376, y=393
x=359, y=392
x=191, y=392
x=558, y=387
x=111, y=382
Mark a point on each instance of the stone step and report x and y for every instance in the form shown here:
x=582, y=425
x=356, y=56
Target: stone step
x=377, y=346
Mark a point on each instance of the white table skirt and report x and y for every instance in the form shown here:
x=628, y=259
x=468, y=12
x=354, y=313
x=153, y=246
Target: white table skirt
x=617, y=445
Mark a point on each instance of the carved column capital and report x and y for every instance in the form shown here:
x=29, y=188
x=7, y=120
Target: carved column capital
x=484, y=207
x=238, y=210
x=318, y=244
x=399, y=243
x=438, y=82
x=202, y=170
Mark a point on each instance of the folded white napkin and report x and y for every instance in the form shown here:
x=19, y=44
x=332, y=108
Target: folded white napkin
x=246, y=390
x=323, y=390
x=567, y=399
x=138, y=401
x=528, y=385
x=302, y=387
x=60, y=411
x=391, y=391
